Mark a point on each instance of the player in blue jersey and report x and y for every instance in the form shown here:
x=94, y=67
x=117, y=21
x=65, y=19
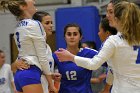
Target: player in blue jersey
x=104, y=32
x=122, y=49
x=99, y=75
x=74, y=79
x=30, y=39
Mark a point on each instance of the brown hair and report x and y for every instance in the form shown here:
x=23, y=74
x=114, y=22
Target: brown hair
x=129, y=16
x=14, y=7
x=116, y=1
x=39, y=15
x=106, y=27
x=73, y=25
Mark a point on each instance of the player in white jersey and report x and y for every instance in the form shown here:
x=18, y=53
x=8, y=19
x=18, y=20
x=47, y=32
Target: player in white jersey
x=30, y=39
x=6, y=76
x=105, y=30
x=110, y=15
x=123, y=49
x=46, y=21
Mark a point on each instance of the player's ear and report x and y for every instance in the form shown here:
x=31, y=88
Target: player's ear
x=108, y=33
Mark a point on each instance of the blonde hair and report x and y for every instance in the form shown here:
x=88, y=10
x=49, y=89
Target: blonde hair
x=14, y=7
x=129, y=16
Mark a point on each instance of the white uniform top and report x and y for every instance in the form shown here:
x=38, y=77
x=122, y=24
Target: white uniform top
x=109, y=77
x=125, y=63
x=44, y=82
x=30, y=39
x=6, y=77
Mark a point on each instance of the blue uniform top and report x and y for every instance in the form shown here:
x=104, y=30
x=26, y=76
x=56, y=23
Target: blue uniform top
x=75, y=79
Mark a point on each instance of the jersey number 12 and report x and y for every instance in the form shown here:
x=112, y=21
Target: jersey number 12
x=71, y=75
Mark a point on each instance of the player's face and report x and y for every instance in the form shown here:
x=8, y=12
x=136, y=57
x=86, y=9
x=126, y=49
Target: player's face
x=2, y=59
x=30, y=7
x=72, y=36
x=102, y=34
x=110, y=14
x=47, y=24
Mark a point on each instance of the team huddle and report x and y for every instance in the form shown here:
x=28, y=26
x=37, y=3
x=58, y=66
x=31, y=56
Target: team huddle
x=34, y=67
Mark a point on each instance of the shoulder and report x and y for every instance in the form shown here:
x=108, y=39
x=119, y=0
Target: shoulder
x=117, y=39
x=28, y=23
x=32, y=22
x=86, y=49
x=7, y=66
x=87, y=52
x=54, y=56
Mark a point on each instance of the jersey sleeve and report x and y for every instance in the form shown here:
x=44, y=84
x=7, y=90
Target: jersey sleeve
x=36, y=32
x=56, y=61
x=104, y=54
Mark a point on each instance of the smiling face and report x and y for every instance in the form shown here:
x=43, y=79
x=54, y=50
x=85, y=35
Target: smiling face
x=73, y=36
x=47, y=24
x=110, y=14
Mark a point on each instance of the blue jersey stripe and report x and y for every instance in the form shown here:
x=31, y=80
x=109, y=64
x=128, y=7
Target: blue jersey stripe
x=39, y=26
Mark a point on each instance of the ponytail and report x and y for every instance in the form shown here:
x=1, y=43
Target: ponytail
x=13, y=6
x=129, y=16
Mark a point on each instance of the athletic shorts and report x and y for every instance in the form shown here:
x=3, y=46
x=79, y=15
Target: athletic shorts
x=27, y=77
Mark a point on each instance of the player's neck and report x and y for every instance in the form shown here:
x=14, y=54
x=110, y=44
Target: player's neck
x=73, y=50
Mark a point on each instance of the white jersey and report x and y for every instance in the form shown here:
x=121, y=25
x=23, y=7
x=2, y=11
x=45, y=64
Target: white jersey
x=125, y=64
x=6, y=77
x=44, y=82
x=109, y=77
x=30, y=39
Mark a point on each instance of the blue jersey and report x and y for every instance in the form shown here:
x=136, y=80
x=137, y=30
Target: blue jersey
x=75, y=79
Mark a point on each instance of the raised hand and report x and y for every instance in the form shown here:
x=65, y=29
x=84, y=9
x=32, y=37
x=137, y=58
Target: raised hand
x=64, y=55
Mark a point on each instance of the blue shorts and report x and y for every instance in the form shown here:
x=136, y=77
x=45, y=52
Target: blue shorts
x=27, y=77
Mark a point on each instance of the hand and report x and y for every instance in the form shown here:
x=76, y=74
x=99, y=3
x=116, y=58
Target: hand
x=104, y=91
x=52, y=89
x=102, y=77
x=21, y=65
x=64, y=55
x=56, y=77
x=15, y=91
